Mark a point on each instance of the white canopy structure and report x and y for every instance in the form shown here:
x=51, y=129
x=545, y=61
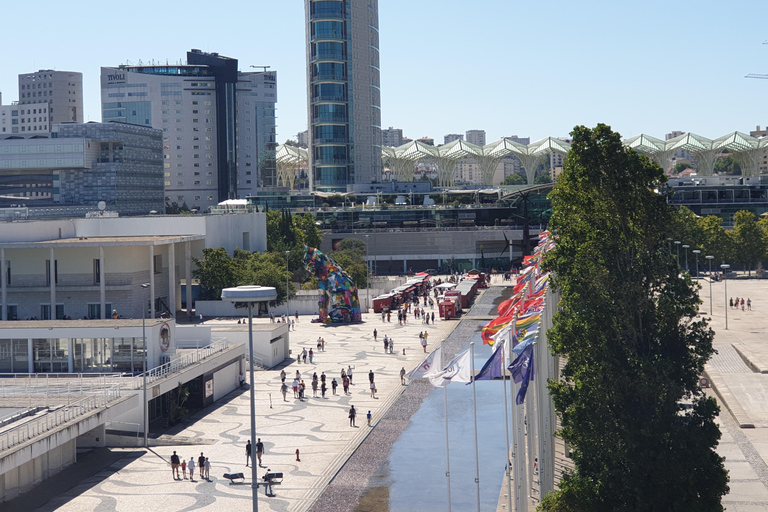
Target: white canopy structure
x=402, y=160
x=289, y=159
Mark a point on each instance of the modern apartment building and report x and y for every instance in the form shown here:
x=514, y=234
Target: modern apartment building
x=392, y=137
x=218, y=123
x=476, y=137
x=344, y=96
x=452, y=137
x=46, y=98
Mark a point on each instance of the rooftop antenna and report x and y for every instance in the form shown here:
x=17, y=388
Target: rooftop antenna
x=264, y=68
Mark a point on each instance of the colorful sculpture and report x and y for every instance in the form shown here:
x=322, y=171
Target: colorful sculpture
x=338, y=292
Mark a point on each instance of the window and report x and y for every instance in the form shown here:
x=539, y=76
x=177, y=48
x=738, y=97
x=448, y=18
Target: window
x=13, y=312
x=96, y=271
x=48, y=272
x=45, y=311
x=158, y=264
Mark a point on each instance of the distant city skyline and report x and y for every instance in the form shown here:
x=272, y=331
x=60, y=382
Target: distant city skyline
x=525, y=70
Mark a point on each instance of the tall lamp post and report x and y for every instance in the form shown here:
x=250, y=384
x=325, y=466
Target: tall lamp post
x=144, y=336
x=686, y=246
x=697, y=252
x=669, y=241
x=677, y=243
x=725, y=268
x=287, y=310
x=367, y=276
x=251, y=294
x=709, y=257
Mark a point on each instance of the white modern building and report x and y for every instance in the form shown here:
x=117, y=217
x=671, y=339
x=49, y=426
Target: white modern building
x=218, y=123
x=86, y=268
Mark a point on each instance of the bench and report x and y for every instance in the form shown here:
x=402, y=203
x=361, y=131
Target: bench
x=234, y=476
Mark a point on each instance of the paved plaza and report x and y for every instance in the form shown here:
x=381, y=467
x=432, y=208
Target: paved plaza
x=319, y=428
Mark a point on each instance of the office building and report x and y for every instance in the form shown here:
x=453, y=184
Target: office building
x=82, y=165
x=476, y=137
x=344, y=97
x=46, y=98
x=218, y=124
x=452, y=137
x=392, y=137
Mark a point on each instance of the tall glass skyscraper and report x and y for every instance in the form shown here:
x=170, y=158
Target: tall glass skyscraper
x=344, y=95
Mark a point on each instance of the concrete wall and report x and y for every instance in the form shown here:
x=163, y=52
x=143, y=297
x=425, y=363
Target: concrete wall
x=25, y=476
x=270, y=352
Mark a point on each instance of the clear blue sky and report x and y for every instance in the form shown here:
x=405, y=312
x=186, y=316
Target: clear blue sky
x=511, y=68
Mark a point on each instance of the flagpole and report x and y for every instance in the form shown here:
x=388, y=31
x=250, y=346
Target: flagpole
x=474, y=407
x=447, y=452
x=506, y=418
x=518, y=443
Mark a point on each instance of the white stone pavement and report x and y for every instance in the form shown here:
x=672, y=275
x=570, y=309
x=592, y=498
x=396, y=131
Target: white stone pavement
x=318, y=428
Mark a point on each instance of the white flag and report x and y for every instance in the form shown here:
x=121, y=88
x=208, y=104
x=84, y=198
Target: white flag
x=458, y=370
x=429, y=366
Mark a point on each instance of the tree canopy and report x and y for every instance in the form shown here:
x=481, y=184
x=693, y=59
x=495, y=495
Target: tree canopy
x=634, y=345
x=514, y=179
x=350, y=255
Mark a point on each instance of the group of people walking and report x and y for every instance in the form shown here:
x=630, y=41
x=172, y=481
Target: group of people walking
x=203, y=465
x=740, y=302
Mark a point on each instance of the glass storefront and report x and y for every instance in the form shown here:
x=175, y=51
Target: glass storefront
x=51, y=355
x=14, y=357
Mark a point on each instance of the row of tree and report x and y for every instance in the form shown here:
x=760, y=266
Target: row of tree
x=286, y=233
x=746, y=245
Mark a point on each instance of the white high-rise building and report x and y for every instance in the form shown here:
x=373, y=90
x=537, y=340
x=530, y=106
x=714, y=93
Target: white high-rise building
x=476, y=137
x=218, y=124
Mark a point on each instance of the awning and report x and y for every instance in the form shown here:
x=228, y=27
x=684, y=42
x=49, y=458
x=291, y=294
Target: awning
x=445, y=286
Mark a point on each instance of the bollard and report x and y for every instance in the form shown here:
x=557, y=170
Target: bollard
x=403, y=351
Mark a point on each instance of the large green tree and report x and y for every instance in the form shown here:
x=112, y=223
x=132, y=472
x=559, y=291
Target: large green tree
x=514, y=179
x=634, y=346
x=749, y=239
x=350, y=255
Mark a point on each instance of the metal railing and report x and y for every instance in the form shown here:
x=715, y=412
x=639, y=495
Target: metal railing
x=57, y=417
x=178, y=364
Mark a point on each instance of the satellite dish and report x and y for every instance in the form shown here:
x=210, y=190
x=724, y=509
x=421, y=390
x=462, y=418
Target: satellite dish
x=101, y=205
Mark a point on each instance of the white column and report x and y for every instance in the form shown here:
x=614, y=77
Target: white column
x=52, y=271
x=102, y=285
x=172, y=278
x=405, y=266
x=152, y=281
x=30, y=365
x=188, y=276
x=3, y=278
x=70, y=355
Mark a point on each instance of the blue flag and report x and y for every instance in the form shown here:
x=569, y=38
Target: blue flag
x=522, y=372
x=493, y=367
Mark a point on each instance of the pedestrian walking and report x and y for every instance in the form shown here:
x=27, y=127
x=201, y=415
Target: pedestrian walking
x=749, y=304
x=352, y=414
x=297, y=316
x=322, y=344
x=349, y=374
x=370, y=376
x=248, y=453
x=259, y=450
x=293, y=325
x=391, y=345
x=433, y=317
x=374, y=335
x=304, y=355
x=742, y=303
x=334, y=385
x=345, y=385
x=191, y=466
x=295, y=388
x=373, y=389
x=368, y=417
x=323, y=389
x=175, y=466
x=310, y=356
x=207, y=469
x=386, y=344
x=424, y=343
x=302, y=388
x=184, y=469
x=383, y=316
x=314, y=388
x=284, y=390
x=402, y=375
x=201, y=465
x=322, y=377
x=282, y=375
x=298, y=375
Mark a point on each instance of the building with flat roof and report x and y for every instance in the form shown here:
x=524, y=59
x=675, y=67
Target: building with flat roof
x=344, y=95
x=83, y=165
x=476, y=137
x=218, y=123
x=392, y=137
x=61, y=90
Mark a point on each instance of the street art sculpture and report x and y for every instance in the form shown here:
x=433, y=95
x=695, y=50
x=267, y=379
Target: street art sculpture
x=338, y=301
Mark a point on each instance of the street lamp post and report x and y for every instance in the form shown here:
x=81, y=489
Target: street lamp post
x=725, y=268
x=251, y=294
x=669, y=241
x=368, y=275
x=709, y=257
x=677, y=243
x=686, y=246
x=144, y=335
x=697, y=252
x=287, y=309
